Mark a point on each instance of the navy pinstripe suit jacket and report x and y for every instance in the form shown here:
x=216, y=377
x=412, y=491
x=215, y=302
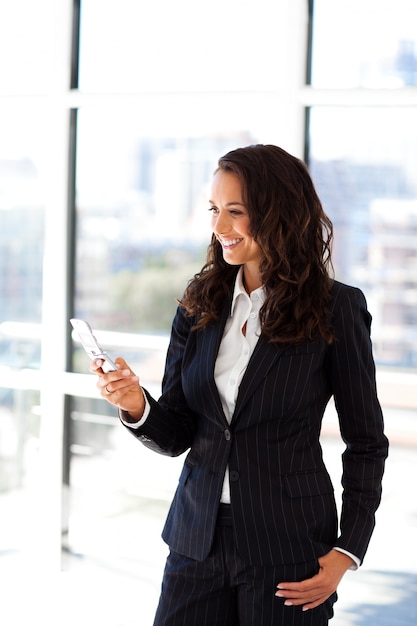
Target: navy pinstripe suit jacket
x=281, y=494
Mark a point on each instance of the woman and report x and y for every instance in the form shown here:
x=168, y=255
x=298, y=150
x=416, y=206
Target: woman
x=261, y=340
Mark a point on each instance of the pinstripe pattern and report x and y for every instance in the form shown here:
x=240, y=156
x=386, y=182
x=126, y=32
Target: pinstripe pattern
x=281, y=495
x=223, y=590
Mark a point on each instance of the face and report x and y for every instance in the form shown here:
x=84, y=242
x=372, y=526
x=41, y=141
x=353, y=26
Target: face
x=230, y=223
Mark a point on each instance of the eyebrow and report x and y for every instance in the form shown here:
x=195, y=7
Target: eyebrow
x=229, y=204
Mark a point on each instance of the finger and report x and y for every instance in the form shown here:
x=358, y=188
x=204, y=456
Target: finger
x=300, y=596
x=121, y=363
x=304, y=585
x=116, y=375
x=315, y=603
x=296, y=599
x=309, y=601
x=299, y=593
x=120, y=381
x=95, y=366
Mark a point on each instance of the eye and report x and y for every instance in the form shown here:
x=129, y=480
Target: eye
x=213, y=209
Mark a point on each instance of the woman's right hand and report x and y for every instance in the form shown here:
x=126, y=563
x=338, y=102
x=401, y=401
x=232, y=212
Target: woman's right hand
x=120, y=387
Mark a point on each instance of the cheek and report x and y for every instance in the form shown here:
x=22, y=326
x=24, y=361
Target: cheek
x=256, y=249
x=247, y=228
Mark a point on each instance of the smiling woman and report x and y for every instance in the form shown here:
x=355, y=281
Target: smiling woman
x=230, y=223
x=113, y=118
x=280, y=234
x=246, y=341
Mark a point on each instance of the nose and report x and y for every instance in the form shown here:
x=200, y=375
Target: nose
x=220, y=223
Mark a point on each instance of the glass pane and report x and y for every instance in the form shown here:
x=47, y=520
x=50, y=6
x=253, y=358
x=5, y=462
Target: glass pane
x=142, y=232
x=101, y=454
x=22, y=208
x=19, y=444
x=143, y=224
x=178, y=46
x=26, y=46
x=368, y=44
x=22, y=212
x=363, y=163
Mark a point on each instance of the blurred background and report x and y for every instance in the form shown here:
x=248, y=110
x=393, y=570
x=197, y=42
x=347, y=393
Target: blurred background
x=112, y=118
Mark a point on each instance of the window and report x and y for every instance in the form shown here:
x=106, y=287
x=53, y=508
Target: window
x=22, y=224
x=156, y=108
x=361, y=152
x=111, y=127
x=361, y=148
x=362, y=162
x=369, y=44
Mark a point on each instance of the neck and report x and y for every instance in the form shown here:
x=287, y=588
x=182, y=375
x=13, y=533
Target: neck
x=251, y=280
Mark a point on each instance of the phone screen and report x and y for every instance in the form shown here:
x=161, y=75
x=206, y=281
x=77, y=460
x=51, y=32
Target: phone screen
x=87, y=340
x=91, y=345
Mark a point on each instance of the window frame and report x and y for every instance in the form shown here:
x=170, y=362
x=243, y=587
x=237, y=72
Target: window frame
x=291, y=98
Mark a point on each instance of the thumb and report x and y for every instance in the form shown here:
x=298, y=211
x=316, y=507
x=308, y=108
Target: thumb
x=121, y=363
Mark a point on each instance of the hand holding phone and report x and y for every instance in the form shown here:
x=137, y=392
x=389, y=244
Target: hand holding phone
x=125, y=391
x=91, y=345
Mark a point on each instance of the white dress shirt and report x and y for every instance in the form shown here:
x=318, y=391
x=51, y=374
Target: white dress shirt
x=240, y=336
x=235, y=350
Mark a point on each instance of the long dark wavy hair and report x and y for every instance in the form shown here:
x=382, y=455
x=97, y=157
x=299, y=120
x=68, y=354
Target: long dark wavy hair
x=294, y=234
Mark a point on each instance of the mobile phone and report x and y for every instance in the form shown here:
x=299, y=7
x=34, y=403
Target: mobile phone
x=91, y=345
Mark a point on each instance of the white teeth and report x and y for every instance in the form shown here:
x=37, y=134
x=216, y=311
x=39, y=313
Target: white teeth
x=231, y=242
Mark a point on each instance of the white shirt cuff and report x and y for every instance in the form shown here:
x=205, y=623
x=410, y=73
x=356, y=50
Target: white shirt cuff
x=124, y=416
x=357, y=563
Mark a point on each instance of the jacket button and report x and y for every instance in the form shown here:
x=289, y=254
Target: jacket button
x=227, y=434
x=234, y=476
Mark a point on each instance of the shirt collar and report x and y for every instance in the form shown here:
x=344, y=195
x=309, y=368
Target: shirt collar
x=240, y=290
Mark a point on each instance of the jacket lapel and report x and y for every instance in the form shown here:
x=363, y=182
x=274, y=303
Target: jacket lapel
x=263, y=358
x=210, y=339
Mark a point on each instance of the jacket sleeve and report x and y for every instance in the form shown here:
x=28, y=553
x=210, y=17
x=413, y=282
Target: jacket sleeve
x=170, y=426
x=352, y=375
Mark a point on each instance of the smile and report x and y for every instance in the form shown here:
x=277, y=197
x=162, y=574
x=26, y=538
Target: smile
x=229, y=243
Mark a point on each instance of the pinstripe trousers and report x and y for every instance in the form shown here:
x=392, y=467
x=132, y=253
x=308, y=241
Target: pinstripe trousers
x=223, y=590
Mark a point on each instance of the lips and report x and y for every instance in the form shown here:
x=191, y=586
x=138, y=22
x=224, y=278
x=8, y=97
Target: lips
x=230, y=243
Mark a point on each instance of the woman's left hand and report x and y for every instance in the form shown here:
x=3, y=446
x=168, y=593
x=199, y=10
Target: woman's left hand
x=314, y=591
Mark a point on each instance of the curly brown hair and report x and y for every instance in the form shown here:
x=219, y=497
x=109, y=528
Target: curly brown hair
x=294, y=234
